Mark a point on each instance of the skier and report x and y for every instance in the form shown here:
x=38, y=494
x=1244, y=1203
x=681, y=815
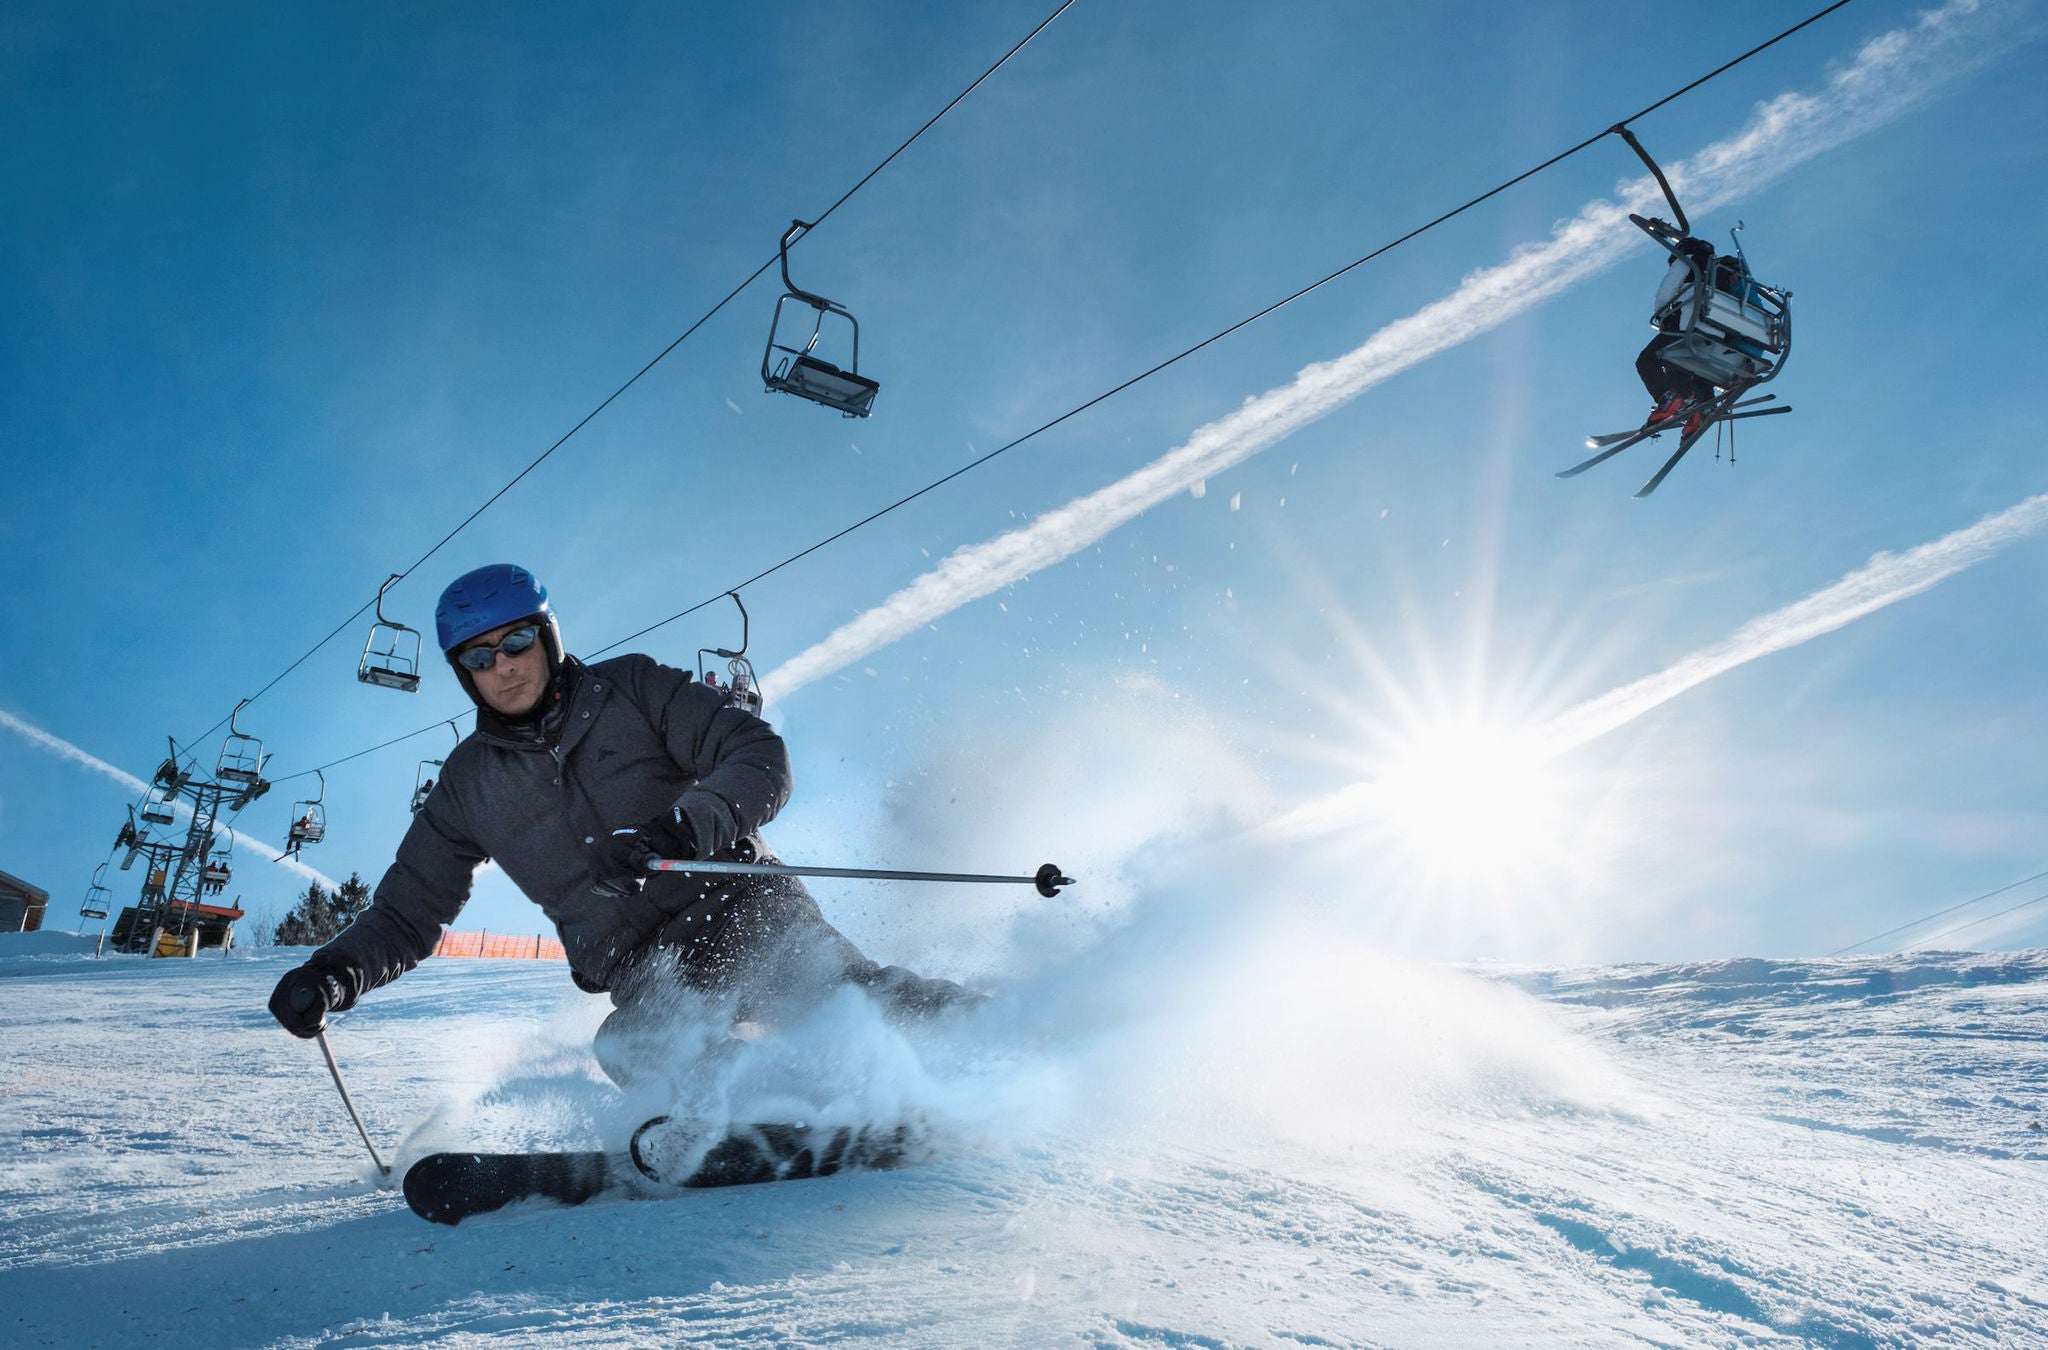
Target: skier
x=574, y=776
x=1671, y=388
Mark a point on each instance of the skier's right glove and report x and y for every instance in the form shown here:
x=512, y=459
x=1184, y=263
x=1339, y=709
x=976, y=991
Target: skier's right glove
x=305, y=996
x=622, y=865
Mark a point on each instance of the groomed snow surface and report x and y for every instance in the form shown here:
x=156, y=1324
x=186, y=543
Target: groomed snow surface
x=1300, y=1143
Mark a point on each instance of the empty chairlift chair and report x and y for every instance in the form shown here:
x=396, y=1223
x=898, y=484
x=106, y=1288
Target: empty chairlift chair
x=800, y=370
x=391, y=654
x=241, y=756
x=97, y=896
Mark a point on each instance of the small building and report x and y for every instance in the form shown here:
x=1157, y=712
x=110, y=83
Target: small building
x=21, y=905
x=186, y=929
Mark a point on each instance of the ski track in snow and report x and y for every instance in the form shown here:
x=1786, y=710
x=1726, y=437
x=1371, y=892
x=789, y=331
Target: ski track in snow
x=1840, y=1153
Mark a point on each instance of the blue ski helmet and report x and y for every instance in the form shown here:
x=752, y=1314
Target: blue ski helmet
x=476, y=602
x=490, y=597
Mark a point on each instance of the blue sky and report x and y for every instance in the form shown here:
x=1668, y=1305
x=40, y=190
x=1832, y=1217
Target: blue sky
x=291, y=290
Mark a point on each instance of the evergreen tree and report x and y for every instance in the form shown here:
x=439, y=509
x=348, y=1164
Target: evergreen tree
x=320, y=914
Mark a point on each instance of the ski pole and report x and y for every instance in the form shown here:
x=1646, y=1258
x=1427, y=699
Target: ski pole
x=335, y=1069
x=1048, y=879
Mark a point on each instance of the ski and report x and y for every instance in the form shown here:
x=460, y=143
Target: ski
x=450, y=1187
x=1685, y=443
x=1614, y=442
x=1626, y=440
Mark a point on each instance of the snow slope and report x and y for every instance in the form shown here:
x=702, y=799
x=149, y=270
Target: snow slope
x=1304, y=1144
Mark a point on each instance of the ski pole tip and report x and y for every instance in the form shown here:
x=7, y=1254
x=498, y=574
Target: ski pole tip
x=1049, y=880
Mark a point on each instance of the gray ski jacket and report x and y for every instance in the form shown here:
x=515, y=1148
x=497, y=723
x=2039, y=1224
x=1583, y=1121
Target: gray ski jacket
x=627, y=739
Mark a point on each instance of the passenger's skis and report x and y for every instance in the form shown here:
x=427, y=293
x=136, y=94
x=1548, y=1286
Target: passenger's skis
x=1614, y=442
x=450, y=1187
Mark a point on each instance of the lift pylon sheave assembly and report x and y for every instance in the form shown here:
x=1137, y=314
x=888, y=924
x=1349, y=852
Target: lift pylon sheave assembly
x=309, y=820
x=740, y=689
x=423, y=777
x=800, y=370
x=391, y=654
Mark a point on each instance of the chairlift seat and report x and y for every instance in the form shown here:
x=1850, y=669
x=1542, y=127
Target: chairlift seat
x=91, y=911
x=1718, y=363
x=158, y=813
x=822, y=382
x=388, y=677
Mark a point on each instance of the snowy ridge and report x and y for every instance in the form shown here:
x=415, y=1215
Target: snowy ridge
x=1828, y=1152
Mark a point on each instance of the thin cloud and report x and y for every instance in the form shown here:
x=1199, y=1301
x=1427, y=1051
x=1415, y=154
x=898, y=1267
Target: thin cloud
x=1888, y=75
x=1885, y=580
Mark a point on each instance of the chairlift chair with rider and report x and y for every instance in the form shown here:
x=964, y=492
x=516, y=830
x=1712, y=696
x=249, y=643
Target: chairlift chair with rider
x=740, y=687
x=800, y=370
x=309, y=821
x=241, y=755
x=391, y=654
x=424, y=777
x=1720, y=329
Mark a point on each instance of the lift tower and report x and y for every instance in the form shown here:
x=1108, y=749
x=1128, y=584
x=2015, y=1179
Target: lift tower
x=183, y=872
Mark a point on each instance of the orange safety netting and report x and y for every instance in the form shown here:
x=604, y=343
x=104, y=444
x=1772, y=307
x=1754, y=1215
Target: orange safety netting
x=500, y=945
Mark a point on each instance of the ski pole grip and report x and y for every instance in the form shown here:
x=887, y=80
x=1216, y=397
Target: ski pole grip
x=1050, y=879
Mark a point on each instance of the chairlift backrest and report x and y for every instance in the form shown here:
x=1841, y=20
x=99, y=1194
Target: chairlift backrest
x=241, y=759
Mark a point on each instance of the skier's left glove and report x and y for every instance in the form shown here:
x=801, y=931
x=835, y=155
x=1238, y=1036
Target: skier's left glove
x=622, y=865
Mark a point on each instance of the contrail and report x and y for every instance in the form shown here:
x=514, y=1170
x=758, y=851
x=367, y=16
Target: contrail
x=1888, y=75
x=1885, y=580
x=64, y=749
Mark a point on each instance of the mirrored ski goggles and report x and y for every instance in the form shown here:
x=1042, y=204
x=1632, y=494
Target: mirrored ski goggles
x=512, y=644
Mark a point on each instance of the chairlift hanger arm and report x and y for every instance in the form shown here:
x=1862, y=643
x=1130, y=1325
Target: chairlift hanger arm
x=1621, y=129
x=797, y=229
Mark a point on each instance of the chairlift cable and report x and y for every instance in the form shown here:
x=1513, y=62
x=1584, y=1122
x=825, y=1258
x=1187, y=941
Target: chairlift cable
x=1939, y=913
x=1921, y=943
x=976, y=463
x=705, y=318
x=1242, y=323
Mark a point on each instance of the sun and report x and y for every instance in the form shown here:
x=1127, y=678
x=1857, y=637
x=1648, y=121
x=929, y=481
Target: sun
x=1469, y=803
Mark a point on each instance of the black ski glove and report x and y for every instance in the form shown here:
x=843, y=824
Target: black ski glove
x=305, y=996
x=622, y=865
